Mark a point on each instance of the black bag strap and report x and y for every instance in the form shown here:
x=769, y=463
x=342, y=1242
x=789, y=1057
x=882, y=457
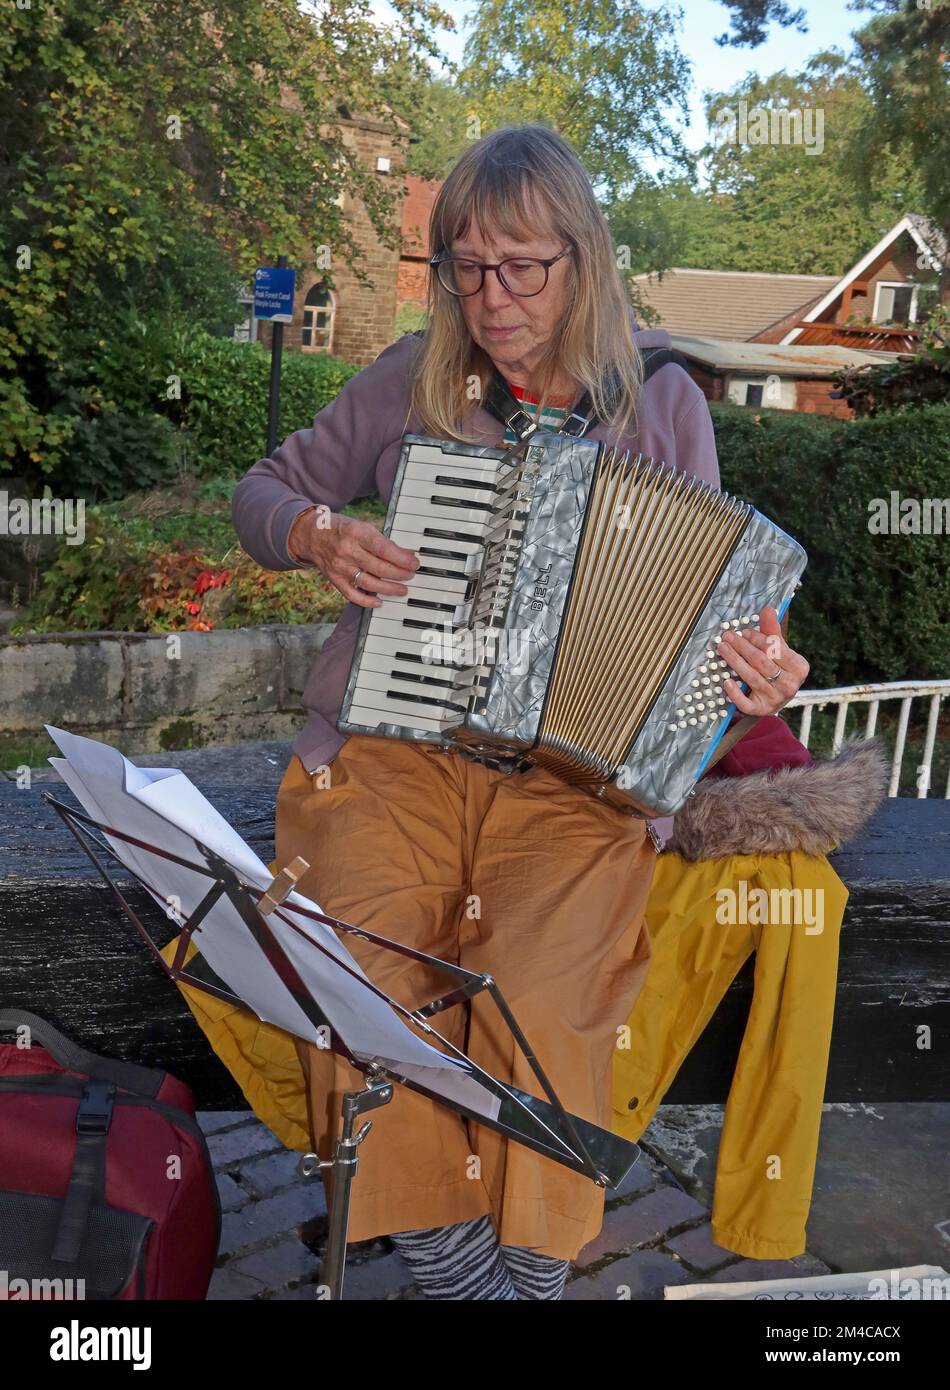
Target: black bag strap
x=656, y=357
x=501, y=402
x=87, y=1182
x=144, y=1081
x=93, y=1120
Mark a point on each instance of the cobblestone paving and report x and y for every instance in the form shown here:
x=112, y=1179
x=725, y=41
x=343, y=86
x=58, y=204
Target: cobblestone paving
x=274, y=1227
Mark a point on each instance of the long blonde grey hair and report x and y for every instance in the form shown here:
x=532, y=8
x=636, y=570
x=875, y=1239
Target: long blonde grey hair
x=502, y=183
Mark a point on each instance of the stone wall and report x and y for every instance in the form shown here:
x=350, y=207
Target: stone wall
x=153, y=692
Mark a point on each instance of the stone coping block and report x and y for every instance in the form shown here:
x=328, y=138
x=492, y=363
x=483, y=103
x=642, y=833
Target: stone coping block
x=168, y=690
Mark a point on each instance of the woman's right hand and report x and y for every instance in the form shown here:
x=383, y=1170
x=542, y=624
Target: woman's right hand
x=340, y=546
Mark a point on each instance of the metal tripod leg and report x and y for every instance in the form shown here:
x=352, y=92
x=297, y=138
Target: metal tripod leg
x=377, y=1091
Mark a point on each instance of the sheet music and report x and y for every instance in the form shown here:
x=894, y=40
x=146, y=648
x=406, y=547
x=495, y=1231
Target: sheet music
x=162, y=807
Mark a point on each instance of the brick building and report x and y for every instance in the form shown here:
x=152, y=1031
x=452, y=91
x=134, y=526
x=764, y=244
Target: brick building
x=777, y=340
x=353, y=320
x=776, y=376
x=413, y=270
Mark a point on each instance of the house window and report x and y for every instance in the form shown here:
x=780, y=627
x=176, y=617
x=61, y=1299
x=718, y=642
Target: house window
x=318, y=310
x=245, y=330
x=895, y=302
x=770, y=391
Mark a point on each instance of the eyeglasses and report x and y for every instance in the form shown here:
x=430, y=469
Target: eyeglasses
x=520, y=275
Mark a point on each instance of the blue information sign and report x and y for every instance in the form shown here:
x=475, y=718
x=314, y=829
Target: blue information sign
x=274, y=293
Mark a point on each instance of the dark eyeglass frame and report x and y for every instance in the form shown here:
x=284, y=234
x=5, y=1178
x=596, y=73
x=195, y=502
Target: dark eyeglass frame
x=546, y=261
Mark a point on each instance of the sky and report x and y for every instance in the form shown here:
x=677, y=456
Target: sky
x=830, y=25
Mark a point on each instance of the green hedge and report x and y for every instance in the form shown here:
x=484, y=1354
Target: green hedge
x=871, y=607
x=179, y=401
x=224, y=399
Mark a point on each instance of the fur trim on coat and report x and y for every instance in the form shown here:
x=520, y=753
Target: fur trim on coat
x=813, y=808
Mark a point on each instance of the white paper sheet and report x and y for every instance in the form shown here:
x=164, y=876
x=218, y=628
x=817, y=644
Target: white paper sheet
x=909, y=1282
x=161, y=807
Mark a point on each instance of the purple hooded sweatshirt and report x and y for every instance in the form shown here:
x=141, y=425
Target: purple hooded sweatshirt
x=352, y=450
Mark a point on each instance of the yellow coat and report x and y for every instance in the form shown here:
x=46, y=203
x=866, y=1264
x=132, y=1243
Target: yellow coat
x=766, y=1162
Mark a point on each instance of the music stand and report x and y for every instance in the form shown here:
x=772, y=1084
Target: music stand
x=543, y=1125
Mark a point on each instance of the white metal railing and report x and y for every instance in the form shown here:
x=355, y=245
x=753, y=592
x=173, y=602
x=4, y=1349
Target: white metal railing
x=843, y=697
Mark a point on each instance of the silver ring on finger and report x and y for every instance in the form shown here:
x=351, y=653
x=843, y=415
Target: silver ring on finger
x=356, y=579
x=772, y=679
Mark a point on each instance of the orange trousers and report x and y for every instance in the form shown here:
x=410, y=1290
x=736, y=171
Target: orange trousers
x=538, y=884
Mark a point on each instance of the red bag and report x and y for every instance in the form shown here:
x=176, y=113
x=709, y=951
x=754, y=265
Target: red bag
x=105, y=1175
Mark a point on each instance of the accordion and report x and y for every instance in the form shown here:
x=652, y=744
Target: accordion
x=565, y=613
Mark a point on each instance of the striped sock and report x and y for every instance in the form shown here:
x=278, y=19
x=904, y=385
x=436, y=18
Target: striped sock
x=457, y=1262
x=533, y=1275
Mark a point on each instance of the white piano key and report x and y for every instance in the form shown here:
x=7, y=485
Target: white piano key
x=447, y=518
x=415, y=539
x=430, y=488
x=465, y=538
x=452, y=590
x=427, y=454
x=421, y=610
x=389, y=683
x=448, y=568
x=385, y=648
x=412, y=638
x=408, y=712
x=373, y=717
x=480, y=471
x=421, y=673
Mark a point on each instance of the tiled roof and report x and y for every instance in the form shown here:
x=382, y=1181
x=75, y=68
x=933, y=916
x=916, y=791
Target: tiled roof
x=728, y=304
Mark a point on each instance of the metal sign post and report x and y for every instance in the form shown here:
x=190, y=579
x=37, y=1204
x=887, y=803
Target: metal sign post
x=274, y=300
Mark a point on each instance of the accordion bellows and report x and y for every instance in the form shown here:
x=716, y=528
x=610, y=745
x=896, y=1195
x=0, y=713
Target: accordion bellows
x=565, y=612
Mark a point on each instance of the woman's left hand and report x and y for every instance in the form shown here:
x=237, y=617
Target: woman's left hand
x=756, y=655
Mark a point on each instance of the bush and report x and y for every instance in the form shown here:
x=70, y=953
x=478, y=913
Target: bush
x=224, y=398
x=871, y=607
x=114, y=452
x=155, y=398
x=923, y=379
x=168, y=561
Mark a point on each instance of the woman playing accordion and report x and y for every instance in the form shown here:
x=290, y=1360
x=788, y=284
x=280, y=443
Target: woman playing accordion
x=512, y=873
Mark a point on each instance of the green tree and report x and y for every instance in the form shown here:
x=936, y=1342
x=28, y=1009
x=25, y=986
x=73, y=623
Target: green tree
x=673, y=224
x=774, y=206
x=607, y=76
x=150, y=153
x=436, y=111
x=903, y=55
x=749, y=21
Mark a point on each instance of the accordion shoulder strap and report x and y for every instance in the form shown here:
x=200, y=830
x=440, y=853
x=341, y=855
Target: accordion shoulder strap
x=732, y=736
x=501, y=402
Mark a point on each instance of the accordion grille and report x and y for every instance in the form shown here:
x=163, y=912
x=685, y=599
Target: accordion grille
x=654, y=544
